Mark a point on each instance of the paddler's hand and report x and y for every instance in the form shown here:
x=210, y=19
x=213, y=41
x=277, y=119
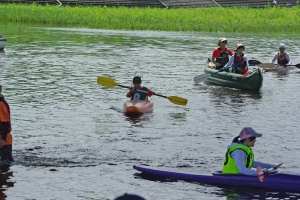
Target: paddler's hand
x=2, y=142
x=132, y=89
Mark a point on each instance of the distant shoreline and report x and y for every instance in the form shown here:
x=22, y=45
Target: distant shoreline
x=271, y=20
x=162, y=3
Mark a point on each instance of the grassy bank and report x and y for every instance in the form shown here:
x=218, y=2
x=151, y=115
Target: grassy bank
x=236, y=19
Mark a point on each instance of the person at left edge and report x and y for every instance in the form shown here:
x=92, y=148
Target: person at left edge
x=238, y=62
x=138, y=92
x=5, y=129
x=221, y=54
x=239, y=158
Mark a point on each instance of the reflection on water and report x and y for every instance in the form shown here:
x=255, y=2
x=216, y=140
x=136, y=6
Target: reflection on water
x=5, y=181
x=246, y=193
x=230, y=192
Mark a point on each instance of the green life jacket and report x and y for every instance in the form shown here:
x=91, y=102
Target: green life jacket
x=139, y=95
x=229, y=164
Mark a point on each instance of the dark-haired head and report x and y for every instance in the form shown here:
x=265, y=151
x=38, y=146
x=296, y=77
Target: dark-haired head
x=238, y=140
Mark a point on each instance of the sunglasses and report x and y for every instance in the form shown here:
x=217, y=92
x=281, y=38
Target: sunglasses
x=252, y=138
x=224, y=42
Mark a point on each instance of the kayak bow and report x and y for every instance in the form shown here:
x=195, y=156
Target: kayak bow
x=138, y=106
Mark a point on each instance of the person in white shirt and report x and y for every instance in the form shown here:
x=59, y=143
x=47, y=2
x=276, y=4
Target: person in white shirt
x=282, y=57
x=238, y=62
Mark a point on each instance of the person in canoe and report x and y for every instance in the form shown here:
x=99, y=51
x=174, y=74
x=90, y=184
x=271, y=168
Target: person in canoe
x=239, y=158
x=238, y=62
x=283, y=58
x=221, y=54
x=138, y=92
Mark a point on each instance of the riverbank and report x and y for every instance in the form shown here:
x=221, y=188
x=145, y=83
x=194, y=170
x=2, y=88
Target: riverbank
x=208, y=19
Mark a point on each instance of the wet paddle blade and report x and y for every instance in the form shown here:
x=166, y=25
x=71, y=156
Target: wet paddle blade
x=298, y=65
x=260, y=174
x=178, y=100
x=254, y=62
x=267, y=65
x=105, y=81
x=201, y=78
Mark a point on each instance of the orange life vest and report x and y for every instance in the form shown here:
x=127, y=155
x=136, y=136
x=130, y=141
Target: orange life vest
x=5, y=117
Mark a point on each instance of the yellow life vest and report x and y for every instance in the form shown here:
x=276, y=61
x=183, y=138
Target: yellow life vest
x=229, y=164
x=282, y=59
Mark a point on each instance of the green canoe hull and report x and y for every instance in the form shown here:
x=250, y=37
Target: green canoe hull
x=253, y=81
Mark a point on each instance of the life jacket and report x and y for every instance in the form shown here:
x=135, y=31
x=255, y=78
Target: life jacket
x=239, y=61
x=282, y=59
x=138, y=93
x=8, y=140
x=224, y=56
x=229, y=164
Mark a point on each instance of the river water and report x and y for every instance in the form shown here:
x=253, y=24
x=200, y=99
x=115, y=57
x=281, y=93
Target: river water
x=71, y=141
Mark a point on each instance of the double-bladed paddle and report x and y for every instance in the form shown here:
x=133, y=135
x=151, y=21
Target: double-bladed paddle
x=108, y=82
x=267, y=65
x=254, y=62
x=273, y=65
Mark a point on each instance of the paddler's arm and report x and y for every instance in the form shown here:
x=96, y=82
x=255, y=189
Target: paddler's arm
x=288, y=57
x=247, y=61
x=262, y=165
x=5, y=129
x=215, y=54
x=130, y=92
x=229, y=63
x=239, y=157
x=149, y=93
x=274, y=58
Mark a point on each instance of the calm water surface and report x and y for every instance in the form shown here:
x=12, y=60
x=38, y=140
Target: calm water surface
x=72, y=142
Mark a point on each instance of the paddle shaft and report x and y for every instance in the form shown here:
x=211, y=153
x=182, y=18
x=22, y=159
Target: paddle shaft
x=257, y=62
x=143, y=91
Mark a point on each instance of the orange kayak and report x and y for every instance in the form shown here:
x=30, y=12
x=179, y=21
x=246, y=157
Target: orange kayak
x=138, y=106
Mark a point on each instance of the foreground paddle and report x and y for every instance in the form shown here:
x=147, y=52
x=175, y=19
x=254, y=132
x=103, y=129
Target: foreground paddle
x=273, y=65
x=108, y=82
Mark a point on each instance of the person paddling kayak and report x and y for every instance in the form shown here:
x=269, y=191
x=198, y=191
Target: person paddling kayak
x=138, y=92
x=282, y=57
x=239, y=158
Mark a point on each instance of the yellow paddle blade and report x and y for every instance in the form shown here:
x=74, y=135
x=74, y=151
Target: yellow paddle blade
x=178, y=100
x=105, y=81
x=267, y=65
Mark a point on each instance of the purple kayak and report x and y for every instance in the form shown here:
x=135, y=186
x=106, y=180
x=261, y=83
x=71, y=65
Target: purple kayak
x=276, y=180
